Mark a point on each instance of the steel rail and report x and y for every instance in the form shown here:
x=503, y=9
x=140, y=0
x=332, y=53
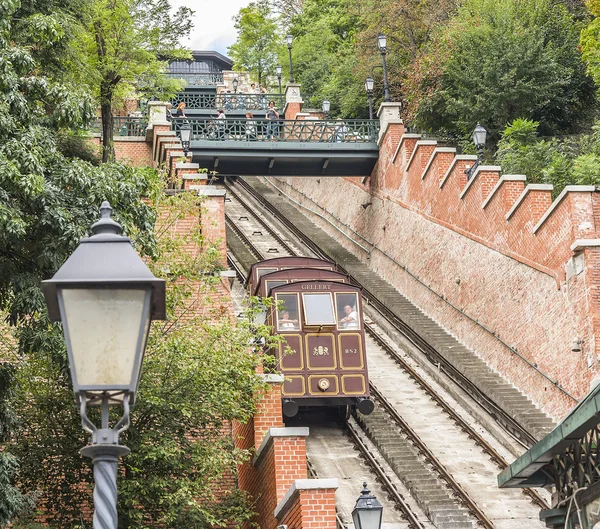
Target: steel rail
x=414, y=522
x=461, y=423
x=463, y=496
x=242, y=236
x=500, y=416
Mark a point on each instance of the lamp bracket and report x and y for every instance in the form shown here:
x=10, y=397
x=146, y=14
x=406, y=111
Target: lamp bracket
x=104, y=435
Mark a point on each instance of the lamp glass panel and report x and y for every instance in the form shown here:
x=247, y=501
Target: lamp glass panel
x=369, y=84
x=326, y=106
x=479, y=135
x=278, y=69
x=289, y=40
x=103, y=328
x=370, y=518
x=356, y=519
x=381, y=41
x=185, y=134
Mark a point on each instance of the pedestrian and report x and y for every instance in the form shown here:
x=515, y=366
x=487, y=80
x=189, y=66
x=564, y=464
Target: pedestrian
x=272, y=117
x=221, y=117
x=263, y=99
x=180, y=111
x=250, y=127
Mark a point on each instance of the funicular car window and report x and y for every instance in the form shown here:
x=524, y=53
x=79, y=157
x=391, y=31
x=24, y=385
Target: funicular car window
x=346, y=305
x=288, y=315
x=272, y=283
x=263, y=271
x=318, y=309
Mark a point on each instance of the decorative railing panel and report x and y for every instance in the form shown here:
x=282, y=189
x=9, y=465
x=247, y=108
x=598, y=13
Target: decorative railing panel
x=229, y=102
x=262, y=130
x=198, y=79
x=123, y=126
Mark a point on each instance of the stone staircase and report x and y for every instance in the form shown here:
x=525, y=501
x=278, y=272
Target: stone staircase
x=432, y=495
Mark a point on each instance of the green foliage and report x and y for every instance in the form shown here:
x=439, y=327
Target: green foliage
x=559, y=162
x=198, y=374
x=258, y=41
x=501, y=60
x=590, y=42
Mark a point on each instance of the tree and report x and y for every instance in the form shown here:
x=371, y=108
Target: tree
x=258, y=41
x=198, y=374
x=501, y=61
x=125, y=46
x=590, y=42
x=47, y=198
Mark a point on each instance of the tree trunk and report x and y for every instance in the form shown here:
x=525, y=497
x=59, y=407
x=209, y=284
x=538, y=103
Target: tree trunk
x=108, y=148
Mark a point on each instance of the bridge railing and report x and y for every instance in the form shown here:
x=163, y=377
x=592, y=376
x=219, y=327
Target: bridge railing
x=229, y=102
x=124, y=126
x=293, y=131
x=197, y=79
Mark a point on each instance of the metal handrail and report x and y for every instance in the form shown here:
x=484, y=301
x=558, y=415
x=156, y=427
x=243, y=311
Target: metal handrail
x=197, y=79
x=282, y=130
x=123, y=126
x=228, y=101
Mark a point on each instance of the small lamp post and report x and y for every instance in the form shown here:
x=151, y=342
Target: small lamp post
x=368, y=511
x=326, y=106
x=369, y=85
x=105, y=297
x=382, y=46
x=479, y=137
x=235, y=85
x=278, y=71
x=289, y=39
x=185, y=134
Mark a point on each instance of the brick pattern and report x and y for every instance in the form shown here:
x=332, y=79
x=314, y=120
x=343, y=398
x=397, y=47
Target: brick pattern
x=500, y=272
x=132, y=151
x=311, y=509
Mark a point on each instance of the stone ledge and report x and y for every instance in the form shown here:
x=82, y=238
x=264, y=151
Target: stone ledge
x=503, y=178
x=278, y=432
x=187, y=165
x=436, y=151
x=303, y=484
x=530, y=187
x=581, y=244
x=406, y=136
x=414, y=153
x=458, y=158
x=209, y=191
x=480, y=169
x=272, y=378
x=559, y=198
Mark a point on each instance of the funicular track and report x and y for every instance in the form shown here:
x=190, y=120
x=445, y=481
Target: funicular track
x=461, y=496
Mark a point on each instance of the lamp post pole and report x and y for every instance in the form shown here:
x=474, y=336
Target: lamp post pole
x=289, y=39
x=105, y=296
x=278, y=71
x=382, y=45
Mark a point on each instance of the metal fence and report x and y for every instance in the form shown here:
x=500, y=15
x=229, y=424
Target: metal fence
x=262, y=130
x=229, y=102
x=198, y=79
x=124, y=126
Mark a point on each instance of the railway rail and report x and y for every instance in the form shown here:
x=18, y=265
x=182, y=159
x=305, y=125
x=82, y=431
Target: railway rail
x=507, y=422
x=485, y=446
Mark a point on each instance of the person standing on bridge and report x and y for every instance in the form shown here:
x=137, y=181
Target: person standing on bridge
x=272, y=117
x=180, y=112
x=221, y=117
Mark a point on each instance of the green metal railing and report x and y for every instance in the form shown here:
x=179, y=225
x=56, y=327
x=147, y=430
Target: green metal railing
x=198, y=79
x=262, y=130
x=124, y=126
x=229, y=102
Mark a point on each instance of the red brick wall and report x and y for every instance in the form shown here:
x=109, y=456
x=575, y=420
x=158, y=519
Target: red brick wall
x=509, y=275
x=129, y=150
x=312, y=509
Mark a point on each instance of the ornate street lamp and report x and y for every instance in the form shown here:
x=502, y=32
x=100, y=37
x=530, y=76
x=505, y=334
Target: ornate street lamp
x=235, y=85
x=185, y=134
x=278, y=71
x=289, y=39
x=368, y=511
x=369, y=85
x=382, y=46
x=479, y=137
x=105, y=296
x=326, y=106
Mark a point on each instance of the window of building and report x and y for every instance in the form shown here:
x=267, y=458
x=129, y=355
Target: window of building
x=346, y=305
